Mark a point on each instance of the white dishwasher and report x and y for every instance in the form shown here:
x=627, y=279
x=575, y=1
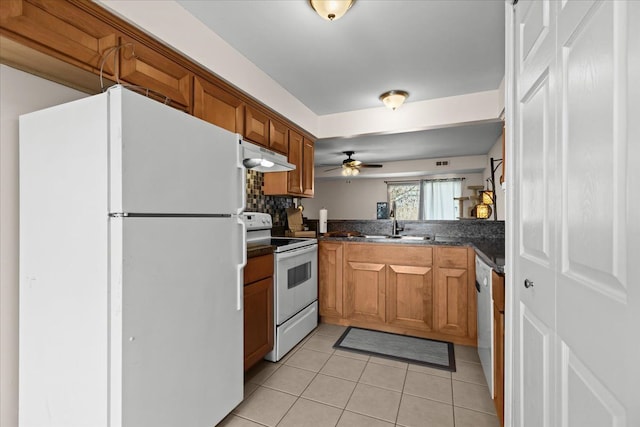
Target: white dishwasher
x=485, y=319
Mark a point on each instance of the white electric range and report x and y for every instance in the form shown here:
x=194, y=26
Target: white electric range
x=295, y=283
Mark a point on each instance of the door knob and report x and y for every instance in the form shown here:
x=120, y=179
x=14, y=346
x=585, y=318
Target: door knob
x=528, y=283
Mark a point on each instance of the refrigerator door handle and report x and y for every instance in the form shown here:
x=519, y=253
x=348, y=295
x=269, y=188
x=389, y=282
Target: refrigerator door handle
x=240, y=267
x=241, y=173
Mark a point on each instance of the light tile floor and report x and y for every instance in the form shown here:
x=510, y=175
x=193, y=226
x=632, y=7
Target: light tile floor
x=317, y=386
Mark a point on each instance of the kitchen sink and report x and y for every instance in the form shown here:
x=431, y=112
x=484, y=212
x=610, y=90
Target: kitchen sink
x=398, y=237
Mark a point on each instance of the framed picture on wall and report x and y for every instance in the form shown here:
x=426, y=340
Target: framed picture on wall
x=382, y=210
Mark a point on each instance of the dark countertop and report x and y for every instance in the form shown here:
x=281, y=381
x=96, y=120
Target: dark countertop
x=491, y=250
x=259, y=249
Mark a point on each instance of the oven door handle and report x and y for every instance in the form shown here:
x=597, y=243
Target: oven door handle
x=297, y=252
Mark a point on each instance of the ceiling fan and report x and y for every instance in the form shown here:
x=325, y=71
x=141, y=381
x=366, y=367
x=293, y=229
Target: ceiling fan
x=351, y=167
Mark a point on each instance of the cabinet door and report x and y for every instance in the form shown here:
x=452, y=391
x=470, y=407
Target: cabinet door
x=330, y=258
x=217, y=106
x=452, y=291
x=258, y=321
x=365, y=291
x=410, y=296
x=452, y=299
x=307, y=168
x=144, y=67
x=296, y=150
x=256, y=126
x=61, y=30
x=278, y=137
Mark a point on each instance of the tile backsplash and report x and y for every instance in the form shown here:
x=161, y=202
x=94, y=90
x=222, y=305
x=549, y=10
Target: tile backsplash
x=276, y=206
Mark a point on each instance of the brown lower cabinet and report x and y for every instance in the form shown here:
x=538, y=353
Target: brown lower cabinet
x=420, y=290
x=497, y=282
x=258, y=309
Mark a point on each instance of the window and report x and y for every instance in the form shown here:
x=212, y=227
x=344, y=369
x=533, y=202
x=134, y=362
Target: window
x=425, y=199
x=406, y=196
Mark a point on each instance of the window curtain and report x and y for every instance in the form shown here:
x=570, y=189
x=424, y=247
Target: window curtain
x=438, y=199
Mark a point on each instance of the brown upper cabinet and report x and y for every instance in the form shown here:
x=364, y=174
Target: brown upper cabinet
x=296, y=152
x=215, y=105
x=144, y=67
x=265, y=131
x=76, y=42
x=62, y=31
x=298, y=182
x=256, y=126
x=278, y=137
x=307, y=167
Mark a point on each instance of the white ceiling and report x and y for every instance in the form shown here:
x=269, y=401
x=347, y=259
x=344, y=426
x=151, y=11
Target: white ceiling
x=430, y=48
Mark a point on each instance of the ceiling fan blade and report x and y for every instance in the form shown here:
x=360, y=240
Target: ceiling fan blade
x=368, y=165
x=332, y=169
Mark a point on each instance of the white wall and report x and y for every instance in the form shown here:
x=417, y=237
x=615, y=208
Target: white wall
x=356, y=198
x=496, y=153
x=175, y=26
x=19, y=93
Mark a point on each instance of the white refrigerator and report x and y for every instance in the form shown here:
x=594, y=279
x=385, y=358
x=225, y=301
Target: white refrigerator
x=131, y=261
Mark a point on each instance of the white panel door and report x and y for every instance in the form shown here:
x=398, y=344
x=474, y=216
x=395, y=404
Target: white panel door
x=163, y=160
x=576, y=152
x=535, y=197
x=598, y=49
x=177, y=323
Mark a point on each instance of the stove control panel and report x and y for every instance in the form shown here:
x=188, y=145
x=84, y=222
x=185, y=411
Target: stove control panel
x=257, y=221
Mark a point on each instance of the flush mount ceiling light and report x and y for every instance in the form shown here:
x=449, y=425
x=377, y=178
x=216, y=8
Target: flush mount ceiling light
x=394, y=98
x=331, y=9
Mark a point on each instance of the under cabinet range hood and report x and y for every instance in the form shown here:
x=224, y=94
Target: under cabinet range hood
x=263, y=160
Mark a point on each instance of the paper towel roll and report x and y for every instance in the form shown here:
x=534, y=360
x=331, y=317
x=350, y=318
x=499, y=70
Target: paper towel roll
x=323, y=220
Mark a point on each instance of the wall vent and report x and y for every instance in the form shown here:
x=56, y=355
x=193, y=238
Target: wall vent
x=442, y=163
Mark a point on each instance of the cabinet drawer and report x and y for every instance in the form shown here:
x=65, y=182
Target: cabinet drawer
x=452, y=257
x=258, y=268
x=390, y=254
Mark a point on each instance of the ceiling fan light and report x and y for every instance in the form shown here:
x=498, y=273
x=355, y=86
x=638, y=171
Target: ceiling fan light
x=355, y=172
x=331, y=9
x=346, y=172
x=393, y=99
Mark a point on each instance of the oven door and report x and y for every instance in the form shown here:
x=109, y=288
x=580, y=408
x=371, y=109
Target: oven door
x=296, y=281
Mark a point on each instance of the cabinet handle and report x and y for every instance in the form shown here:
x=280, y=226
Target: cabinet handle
x=528, y=283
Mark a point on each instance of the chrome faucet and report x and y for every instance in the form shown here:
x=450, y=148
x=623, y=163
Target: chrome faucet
x=395, y=227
